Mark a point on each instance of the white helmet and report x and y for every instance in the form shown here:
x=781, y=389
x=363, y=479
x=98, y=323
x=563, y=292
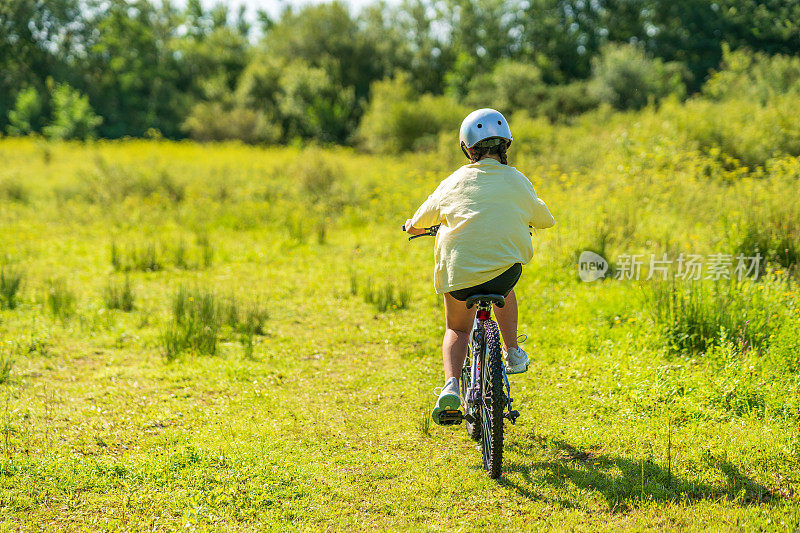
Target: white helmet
x=483, y=124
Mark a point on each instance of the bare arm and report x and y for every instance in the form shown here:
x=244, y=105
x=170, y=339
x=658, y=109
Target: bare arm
x=541, y=218
x=409, y=227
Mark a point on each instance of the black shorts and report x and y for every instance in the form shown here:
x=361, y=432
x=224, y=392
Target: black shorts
x=502, y=284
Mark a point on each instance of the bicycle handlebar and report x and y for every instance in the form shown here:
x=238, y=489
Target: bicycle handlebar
x=429, y=232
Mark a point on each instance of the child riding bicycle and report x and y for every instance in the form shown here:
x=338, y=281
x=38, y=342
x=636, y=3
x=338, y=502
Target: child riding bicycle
x=485, y=209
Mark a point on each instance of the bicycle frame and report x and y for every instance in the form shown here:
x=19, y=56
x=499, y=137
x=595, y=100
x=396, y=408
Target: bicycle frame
x=477, y=337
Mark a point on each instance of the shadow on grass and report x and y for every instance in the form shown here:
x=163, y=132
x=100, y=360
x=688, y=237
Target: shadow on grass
x=624, y=483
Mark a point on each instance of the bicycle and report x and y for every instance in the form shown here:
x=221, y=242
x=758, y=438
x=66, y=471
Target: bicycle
x=485, y=389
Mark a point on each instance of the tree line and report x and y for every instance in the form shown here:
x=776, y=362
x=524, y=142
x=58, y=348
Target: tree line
x=115, y=68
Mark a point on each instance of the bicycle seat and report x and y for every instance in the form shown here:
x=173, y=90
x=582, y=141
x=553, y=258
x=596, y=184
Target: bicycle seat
x=497, y=299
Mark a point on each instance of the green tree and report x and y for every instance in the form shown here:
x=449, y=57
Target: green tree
x=35, y=45
x=73, y=117
x=28, y=115
x=398, y=119
x=133, y=78
x=692, y=31
x=214, y=51
x=312, y=105
x=326, y=37
x=259, y=84
x=562, y=36
x=625, y=77
x=511, y=86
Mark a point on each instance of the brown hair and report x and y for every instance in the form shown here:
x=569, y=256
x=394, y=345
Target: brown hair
x=499, y=149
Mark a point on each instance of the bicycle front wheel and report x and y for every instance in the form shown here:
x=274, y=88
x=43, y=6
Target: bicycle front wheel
x=493, y=402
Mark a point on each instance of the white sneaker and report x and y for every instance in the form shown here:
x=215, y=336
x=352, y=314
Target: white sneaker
x=449, y=399
x=516, y=360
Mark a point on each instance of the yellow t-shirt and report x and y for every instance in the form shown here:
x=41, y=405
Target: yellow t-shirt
x=485, y=209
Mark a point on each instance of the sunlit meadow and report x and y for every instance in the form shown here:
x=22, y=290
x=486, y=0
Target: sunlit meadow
x=224, y=337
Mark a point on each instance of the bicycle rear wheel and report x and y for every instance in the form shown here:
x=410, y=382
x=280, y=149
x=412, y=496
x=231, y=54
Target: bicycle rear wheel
x=473, y=428
x=493, y=402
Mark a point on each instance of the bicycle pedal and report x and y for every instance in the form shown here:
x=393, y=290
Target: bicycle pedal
x=450, y=418
x=512, y=416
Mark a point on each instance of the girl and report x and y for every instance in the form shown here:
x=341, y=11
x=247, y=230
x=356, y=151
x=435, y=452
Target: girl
x=485, y=209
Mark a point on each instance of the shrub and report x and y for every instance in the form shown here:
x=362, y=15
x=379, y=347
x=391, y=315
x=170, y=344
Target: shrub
x=567, y=100
x=753, y=76
x=73, y=117
x=14, y=190
x=317, y=175
x=740, y=132
x=212, y=121
x=259, y=83
x=747, y=131
x=625, y=77
x=28, y=115
x=249, y=317
x=397, y=119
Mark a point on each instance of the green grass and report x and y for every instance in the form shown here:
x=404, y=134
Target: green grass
x=264, y=376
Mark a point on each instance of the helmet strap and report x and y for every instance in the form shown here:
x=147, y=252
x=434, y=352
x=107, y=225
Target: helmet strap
x=464, y=149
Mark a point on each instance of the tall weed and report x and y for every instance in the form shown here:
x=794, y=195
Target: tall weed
x=775, y=238
x=200, y=319
x=6, y=364
x=696, y=316
x=386, y=296
x=59, y=299
x=194, y=326
x=110, y=184
x=154, y=257
x=119, y=295
x=10, y=283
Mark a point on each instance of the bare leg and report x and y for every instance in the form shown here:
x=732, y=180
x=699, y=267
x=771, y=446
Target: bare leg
x=507, y=321
x=458, y=321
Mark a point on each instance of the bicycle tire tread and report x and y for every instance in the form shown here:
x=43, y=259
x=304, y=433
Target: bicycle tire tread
x=495, y=366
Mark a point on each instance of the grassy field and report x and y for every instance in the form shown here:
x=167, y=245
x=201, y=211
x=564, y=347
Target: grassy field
x=233, y=338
